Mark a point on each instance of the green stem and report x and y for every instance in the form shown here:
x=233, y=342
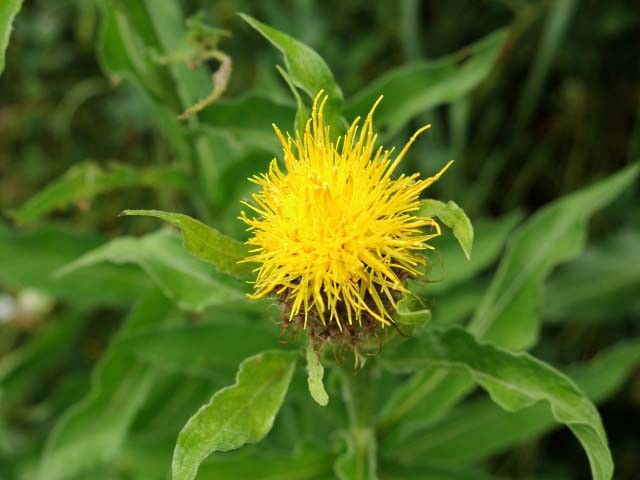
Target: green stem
x=358, y=392
x=357, y=389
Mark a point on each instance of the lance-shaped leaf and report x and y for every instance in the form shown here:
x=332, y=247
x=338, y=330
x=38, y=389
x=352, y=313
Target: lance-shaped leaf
x=430, y=470
x=236, y=415
x=479, y=428
x=616, y=265
x=514, y=381
x=304, y=464
x=210, y=350
x=8, y=11
x=134, y=37
x=91, y=432
x=29, y=259
x=301, y=113
x=88, y=180
x=205, y=242
x=509, y=312
x=24, y=369
x=190, y=283
x=415, y=88
x=306, y=68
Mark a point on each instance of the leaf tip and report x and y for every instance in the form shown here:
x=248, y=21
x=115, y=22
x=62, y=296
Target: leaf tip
x=63, y=271
x=247, y=18
x=467, y=252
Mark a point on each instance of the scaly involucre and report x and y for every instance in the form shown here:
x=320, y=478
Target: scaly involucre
x=335, y=234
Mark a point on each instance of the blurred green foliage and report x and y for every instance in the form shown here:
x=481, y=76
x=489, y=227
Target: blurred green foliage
x=112, y=335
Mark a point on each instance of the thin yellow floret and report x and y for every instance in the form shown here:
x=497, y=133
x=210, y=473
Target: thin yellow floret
x=334, y=230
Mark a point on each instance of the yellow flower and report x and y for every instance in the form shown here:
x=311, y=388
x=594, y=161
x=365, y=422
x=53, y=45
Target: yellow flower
x=336, y=236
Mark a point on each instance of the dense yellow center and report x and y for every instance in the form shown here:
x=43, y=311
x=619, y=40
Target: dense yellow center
x=335, y=231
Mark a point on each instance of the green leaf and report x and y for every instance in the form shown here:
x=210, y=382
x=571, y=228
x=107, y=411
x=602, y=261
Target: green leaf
x=22, y=369
x=301, y=113
x=123, y=53
x=310, y=464
x=47, y=249
x=133, y=34
x=412, y=311
x=558, y=19
x=190, y=283
x=427, y=396
x=91, y=432
x=315, y=372
x=391, y=470
x=8, y=11
x=509, y=309
x=479, y=428
x=145, y=460
x=514, y=381
x=88, y=180
x=132, y=30
x=206, y=350
x=509, y=312
x=614, y=269
x=415, y=88
x=453, y=217
x=163, y=28
x=236, y=415
x=307, y=70
x=205, y=242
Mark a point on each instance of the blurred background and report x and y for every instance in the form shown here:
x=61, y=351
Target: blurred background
x=559, y=110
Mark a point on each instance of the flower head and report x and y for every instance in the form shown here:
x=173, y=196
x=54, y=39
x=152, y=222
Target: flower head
x=336, y=234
